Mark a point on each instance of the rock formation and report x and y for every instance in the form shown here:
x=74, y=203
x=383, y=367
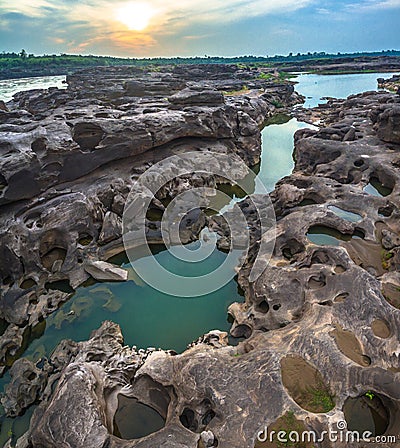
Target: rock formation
x=69, y=159
x=320, y=324
x=392, y=84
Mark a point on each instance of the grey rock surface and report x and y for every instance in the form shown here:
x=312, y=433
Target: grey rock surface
x=330, y=307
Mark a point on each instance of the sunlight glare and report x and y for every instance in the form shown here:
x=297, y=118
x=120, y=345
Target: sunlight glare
x=136, y=16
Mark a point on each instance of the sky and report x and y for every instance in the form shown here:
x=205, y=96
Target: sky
x=151, y=28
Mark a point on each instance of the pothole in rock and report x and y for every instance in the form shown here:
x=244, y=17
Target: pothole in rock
x=350, y=346
x=381, y=329
x=85, y=239
x=288, y=426
x=328, y=236
x=87, y=135
x=344, y=214
x=368, y=255
x=366, y=413
x=52, y=249
x=60, y=285
x=198, y=420
x=307, y=201
x=28, y=283
x=306, y=385
x=340, y=298
x=391, y=292
x=376, y=188
x=134, y=420
x=386, y=211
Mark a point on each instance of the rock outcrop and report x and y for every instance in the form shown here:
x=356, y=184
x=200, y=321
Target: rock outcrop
x=320, y=325
x=392, y=84
x=70, y=157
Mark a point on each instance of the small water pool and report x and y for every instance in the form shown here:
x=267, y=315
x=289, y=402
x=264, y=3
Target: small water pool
x=327, y=236
x=375, y=188
x=134, y=420
x=148, y=318
x=344, y=214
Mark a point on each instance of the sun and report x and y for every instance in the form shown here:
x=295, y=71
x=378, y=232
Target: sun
x=136, y=16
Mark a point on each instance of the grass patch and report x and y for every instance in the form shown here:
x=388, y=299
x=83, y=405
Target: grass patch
x=290, y=427
x=266, y=76
x=242, y=91
x=386, y=257
x=321, y=399
x=277, y=104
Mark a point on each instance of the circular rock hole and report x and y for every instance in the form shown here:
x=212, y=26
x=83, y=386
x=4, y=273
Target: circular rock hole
x=366, y=413
x=381, y=329
x=39, y=145
x=386, y=211
x=85, y=239
x=134, y=420
x=188, y=420
x=276, y=307
x=263, y=307
x=341, y=297
x=28, y=283
x=241, y=331
x=305, y=385
x=359, y=163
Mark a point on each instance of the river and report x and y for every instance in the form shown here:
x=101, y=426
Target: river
x=147, y=316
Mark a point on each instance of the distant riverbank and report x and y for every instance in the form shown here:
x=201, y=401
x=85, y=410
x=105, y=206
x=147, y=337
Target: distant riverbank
x=15, y=66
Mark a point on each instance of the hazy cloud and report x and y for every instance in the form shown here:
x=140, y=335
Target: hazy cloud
x=371, y=5
x=188, y=27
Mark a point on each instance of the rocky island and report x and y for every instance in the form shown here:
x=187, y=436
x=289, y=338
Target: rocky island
x=319, y=327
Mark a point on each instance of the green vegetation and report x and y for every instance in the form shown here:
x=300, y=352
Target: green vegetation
x=278, y=118
x=290, y=424
x=244, y=89
x=17, y=65
x=370, y=395
x=277, y=104
x=292, y=428
x=386, y=257
x=266, y=76
x=321, y=399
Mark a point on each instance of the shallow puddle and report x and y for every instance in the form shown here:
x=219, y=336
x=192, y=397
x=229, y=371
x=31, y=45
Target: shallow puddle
x=344, y=214
x=326, y=236
x=375, y=188
x=134, y=420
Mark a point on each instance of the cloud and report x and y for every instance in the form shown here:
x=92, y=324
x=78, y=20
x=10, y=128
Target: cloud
x=373, y=5
x=221, y=11
x=192, y=10
x=37, y=8
x=197, y=37
x=93, y=22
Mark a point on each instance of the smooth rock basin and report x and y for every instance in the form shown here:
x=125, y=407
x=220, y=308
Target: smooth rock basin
x=148, y=318
x=366, y=413
x=326, y=236
x=375, y=188
x=134, y=420
x=348, y=216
